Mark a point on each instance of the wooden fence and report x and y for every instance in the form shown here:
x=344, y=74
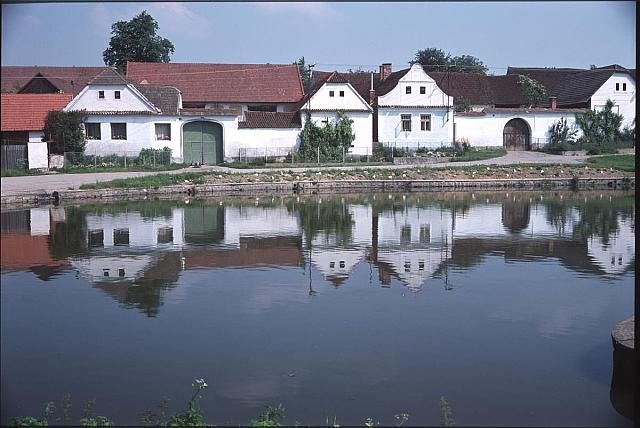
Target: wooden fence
x=13, y=156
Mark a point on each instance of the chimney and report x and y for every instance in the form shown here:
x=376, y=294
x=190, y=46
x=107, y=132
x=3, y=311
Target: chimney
x=385, y=71
x=553, y=102
x=372, y=92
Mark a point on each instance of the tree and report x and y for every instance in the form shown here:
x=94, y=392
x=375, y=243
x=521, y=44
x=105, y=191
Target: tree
x=136, y=40
x=305, y=74
x=534, y=91
x=601, y=127
x=434, y=59
x=332, y=140
x=66, y=130
x=561, y=133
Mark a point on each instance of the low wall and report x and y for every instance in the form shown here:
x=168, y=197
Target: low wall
x=313, y=187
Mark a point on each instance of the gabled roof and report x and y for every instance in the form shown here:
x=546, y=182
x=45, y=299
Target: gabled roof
x=265, y=119
x=70, y=80
x=359, y=81
x=166, y=98
x=244, y=83
x=385, y=86
x=108, y=76
x=549, y=77
x=27, y=112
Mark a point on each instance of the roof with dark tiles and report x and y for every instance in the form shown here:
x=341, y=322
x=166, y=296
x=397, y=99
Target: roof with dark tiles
x=69, y=80
x=166, y=98
x=109, y=76
x=265, y=119
x=241, y=83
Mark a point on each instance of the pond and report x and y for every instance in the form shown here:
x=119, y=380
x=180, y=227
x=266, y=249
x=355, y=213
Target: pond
x=345, y=307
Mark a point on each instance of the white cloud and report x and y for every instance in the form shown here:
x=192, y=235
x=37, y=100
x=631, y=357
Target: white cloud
x=318, y=9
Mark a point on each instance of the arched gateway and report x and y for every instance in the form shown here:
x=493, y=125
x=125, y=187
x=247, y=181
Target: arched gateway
x=516, y=135
x=202, y=142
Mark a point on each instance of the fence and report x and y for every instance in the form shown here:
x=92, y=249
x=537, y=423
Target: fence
x=288, y=155
x=14, y=156
x=145, y=158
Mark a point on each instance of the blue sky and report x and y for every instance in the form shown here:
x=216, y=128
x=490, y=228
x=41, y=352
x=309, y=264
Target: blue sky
x=333, y=35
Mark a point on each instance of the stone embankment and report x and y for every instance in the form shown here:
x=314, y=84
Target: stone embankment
x=317, y=187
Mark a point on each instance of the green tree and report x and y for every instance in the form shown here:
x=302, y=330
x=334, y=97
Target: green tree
x=136, y=40
x=305, y=74
x=561, y=133
x=534, y=92
x=66, y=130
x=434, y=59
x=600, y=127
x=330, y=139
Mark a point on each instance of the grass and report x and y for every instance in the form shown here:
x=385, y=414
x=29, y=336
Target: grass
x=618, y=162
x=282, y=165
x=18, y=173
x=474, y=155
x=131, y=168
x=150, y=181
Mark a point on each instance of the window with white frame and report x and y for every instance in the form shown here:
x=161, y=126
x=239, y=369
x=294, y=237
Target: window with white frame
x=342, y=93
x=423, y=90
x=425, y=122
x=331, y=93
x=405, y=122
x=116, y=95
x=118, y=131
x=101, y=95
x=617, y=86
x=407, y=90
x=163, y=131
x=92, y=131
x=624, y=87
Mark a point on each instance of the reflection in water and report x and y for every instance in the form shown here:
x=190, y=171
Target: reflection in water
x=134, y=252
x=352, y=296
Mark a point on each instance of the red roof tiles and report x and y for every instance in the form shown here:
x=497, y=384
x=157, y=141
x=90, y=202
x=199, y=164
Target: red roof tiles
x=70, y=80
x=265, y=119
x=243, y=83
x=27, y=112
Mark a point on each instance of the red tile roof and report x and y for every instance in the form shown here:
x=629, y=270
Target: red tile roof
x=243, y=83
x=70, y=80
x=265, y=119
x=27, y=112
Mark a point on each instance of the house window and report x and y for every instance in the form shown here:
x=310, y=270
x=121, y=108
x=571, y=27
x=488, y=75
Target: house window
x=425, y=122
x=405, y=234
x=96, y=238
x=405, y=120
x=101, y=95
x=165, y=235
x=116, y=94
x=342, y=93
x=331, y=93
x=624, y=86
x=423, y=90
x=617, y=86
x=92, y=131
x=425, y=233
x=408, y=89
x=118, y=131
x=121, y=237
x=163, y=131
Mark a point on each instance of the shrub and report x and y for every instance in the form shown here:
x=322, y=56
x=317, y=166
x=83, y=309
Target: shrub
x=562, y=134
x=534, y=91
x=332, y=140
x=601, y=127
x=66, y=130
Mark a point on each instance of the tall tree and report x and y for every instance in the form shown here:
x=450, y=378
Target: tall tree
x=305, y=73
x=434, y=59
x=136, y=40
x=534, y=92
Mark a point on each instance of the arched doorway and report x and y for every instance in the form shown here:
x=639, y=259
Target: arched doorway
x=202, y=142
x=516, y=135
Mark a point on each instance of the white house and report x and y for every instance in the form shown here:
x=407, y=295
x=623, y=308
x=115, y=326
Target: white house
x=412, y=110
x=333, y=93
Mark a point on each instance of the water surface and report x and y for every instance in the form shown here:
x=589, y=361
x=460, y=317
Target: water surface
x=352, y=307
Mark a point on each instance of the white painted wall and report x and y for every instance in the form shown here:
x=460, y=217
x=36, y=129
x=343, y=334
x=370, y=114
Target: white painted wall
x=322, y=99
x=390, y=128
x=625, y=100
x=362, y=127
x=39, y=221
x=37, y=151
x=130, y=99
x=259, y=221
x=416, y=78
x=486, y=131
x=258, y=142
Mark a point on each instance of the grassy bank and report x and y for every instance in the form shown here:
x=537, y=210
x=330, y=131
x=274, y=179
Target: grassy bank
x=150, y=181
x=618, y=162
x=474, y=155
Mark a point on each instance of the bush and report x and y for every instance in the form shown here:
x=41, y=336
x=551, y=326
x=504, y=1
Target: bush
x=600, y=128
x=66, y=130
x=333, y=140
x=562, y=134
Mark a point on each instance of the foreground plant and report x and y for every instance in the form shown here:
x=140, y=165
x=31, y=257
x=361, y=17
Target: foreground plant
x=270, y=417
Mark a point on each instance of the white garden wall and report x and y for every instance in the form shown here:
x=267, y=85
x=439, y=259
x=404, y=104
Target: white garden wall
x=37, y=151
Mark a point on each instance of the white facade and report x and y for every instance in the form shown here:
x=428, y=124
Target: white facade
x=487, y=130
x=417, y=97
x=37, y=151
x=330, y=98
x=621, y=89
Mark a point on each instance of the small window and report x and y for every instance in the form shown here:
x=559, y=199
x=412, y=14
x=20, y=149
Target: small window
x=96, y=238
x=331, y=93
x=121, y=273
x=121, y=237
x=332, y=265
x=624, y=86
x=165, y=235
x=423, y=90
x=405, y=120
x=425, y=233
x=425, y=122
x=405, y=234
x=92, y=131
x=268, y=108
x=163, y=131
x=118, y=131
x=342, y=264
x=105, y=272
x=116, y=95
x=408, y=89
x=420, y=264
x=101, y=95
x=617, y=86
x=342, y=93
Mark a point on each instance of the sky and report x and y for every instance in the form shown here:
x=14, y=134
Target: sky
x=335, y=36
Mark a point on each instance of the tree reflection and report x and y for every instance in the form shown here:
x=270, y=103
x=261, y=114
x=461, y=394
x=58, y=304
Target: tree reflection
x=330, y=217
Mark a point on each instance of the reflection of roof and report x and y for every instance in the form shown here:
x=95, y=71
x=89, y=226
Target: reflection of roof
x=27, y=112
x=25, y=252
x=275, y=83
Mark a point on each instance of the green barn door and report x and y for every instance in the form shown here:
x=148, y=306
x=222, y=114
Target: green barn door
x=202, y=142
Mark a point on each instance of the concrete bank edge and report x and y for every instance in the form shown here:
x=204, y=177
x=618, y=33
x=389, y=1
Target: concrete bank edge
x=312, y=187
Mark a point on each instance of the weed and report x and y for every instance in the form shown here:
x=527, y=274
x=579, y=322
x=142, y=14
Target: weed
x=446, y=415
x=270, y=417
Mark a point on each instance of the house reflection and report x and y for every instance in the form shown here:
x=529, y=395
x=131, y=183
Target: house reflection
x=135, y=252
